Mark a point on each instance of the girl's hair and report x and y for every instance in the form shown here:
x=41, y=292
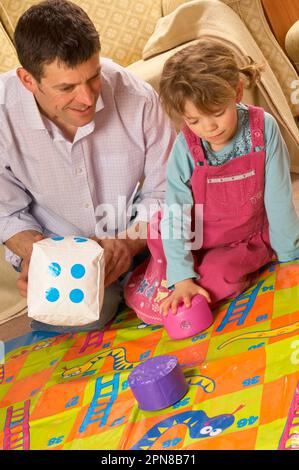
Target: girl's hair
x=207, y=74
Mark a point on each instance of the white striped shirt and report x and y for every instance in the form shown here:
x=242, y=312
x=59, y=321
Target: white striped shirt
x=58, y=187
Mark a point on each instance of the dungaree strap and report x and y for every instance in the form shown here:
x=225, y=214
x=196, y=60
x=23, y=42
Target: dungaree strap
x=194, y=146
x=257, y=124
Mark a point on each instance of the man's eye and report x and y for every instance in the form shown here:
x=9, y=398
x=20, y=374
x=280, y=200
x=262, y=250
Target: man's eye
x=193, y=123
x=96, y=77
x=68, y=88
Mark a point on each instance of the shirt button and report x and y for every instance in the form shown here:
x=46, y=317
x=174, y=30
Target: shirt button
x=87, y=206
x=79, y=171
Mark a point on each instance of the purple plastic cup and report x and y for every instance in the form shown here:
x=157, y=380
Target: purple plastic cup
x=158, y=383
x=189, y=321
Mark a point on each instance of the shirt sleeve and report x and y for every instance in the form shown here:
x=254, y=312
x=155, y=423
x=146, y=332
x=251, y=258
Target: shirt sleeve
x=159, y=135
x=281, y=213
x=14, y=209
x=176, y=220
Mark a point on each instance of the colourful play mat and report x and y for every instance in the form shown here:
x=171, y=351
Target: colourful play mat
x=71, y=391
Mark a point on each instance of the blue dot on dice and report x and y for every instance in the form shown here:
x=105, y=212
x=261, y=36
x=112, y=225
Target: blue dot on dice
x=52, y=294
x=76, y=296
x=78, y=271
x=80, y=239
x=54, y=269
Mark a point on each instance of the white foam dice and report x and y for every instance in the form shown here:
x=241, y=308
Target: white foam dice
x=66, y=281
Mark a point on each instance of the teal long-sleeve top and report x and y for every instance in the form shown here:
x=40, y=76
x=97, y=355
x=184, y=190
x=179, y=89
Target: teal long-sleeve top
x=278, y=197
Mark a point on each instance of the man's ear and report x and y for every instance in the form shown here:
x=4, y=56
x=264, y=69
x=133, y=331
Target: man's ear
x=239, y=93
x=27, y=79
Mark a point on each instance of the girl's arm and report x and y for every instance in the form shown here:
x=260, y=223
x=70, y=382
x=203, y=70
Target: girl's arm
x=281, y=213
x=180, y=166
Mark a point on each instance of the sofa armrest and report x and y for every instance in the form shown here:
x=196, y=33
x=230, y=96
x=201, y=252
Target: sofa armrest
x=194, y=20
x=8, y=56
x=252, y=14
x=292, y=44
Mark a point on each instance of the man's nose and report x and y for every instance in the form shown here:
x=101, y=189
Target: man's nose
x=85, y=95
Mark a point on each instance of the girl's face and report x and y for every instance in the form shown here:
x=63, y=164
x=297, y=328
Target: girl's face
x=217, y=128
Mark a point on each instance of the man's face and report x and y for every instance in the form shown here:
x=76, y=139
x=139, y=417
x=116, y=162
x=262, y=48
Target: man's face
x=69, y=95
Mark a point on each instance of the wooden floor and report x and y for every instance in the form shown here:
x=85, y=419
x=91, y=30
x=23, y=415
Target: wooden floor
x=21, y=325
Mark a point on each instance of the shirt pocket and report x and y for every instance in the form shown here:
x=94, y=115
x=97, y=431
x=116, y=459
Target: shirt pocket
x=233, y=194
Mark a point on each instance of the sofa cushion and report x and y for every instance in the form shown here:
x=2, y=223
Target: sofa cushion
x=8, y=57
x=252, y=14
x=210, y=18
x=124, y=25
x=168, y=6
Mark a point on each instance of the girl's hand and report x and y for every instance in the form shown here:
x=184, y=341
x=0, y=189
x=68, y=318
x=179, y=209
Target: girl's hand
x=184, y=292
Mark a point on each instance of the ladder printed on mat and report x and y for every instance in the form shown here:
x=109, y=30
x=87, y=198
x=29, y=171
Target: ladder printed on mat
x=2, y=373
x=290, y=437
x=99, y=410
x=16, y=428
x=239, y=308
x=93, y=338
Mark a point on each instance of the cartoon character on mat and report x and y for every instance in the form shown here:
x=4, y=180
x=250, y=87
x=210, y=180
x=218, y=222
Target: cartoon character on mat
x=198, y=423
x=273, y=333
x=119, y=359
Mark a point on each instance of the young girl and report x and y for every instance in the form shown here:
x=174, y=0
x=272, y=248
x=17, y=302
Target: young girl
x=231, y=160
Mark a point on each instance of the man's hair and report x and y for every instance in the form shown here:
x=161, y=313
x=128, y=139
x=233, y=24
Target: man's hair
x=207, y=74
x=54, y=29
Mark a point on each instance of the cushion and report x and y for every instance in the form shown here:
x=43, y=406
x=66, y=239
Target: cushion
x=210, y=18
x=124, y=25
x=252, y=14
x=8, y=57
x=292, y=42
x=169, y=6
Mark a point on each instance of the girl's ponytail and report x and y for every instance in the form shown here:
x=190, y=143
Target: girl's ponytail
x=252, y=72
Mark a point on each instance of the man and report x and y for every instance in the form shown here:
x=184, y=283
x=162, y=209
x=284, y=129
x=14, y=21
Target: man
x=77, y=134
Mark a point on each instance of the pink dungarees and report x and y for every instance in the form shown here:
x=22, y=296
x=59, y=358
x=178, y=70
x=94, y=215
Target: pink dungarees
x=235, y=228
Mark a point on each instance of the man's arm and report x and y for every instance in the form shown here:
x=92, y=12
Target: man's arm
x=119, y=252
x=21, y=244
x=18, y=229
x=16, y=223
x=159, y=137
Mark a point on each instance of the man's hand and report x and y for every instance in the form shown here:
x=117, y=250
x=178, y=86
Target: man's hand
x=118, y=258
x=22, y=282
x=119, y=252
x=184, y=292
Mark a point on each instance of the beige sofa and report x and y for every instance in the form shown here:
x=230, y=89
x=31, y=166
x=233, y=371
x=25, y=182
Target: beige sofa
x=141, y=34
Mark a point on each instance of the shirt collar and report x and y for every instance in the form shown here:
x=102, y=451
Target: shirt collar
x=100, y=103
x=32, y=115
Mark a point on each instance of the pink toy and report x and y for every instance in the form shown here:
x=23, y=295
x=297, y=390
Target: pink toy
x=189, y=321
